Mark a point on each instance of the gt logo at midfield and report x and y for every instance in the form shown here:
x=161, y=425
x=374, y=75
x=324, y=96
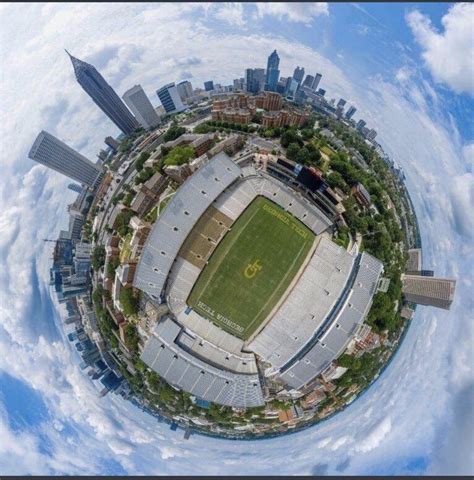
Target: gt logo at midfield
x=252, y=269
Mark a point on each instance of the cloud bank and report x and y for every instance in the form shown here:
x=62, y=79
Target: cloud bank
x=401, y=425
x=449, y=54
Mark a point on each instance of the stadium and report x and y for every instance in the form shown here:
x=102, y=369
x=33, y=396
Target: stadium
x=255, y=289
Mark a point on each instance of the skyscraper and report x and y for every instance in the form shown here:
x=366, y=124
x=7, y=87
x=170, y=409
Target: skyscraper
x=298, y=74
x=316, y=81
x=75, y=187
x=103, y=95
x=371, y=134
x=432, y=291
x=170, y=99
x=361, y=124
x=254, y=79
x=350, y=112
x=239, y=83
x=185, y=89
x=209, y=85
x=308, y=81
x=273, y=74
x=341, y=103
x=112, y=143
x=138, y=102
x=51, y=152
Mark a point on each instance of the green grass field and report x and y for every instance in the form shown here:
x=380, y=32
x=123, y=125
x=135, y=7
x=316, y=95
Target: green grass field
x=251, y=268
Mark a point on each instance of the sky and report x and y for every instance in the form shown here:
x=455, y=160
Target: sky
x=406, y=67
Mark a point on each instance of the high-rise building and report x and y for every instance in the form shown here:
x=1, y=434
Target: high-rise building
x=75, y=187
x=51, y=152
x=350, y=112
x=298, y=74
x=209, y=85
x=138, y=102
x=322, y=92
x=239, y=83
x=308, y=81
x=316, y=81
x=341, y=103
x=254, y=79
x=76, y=221
x=432, y=291
x=360, y=124
x=170, y=99
x=371, y=134
x=185, y=89
x=103, y=95
x=112, y=143
x=273, y=73
x=292, y=86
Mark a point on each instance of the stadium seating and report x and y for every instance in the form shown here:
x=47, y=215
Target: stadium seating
x=183, y=370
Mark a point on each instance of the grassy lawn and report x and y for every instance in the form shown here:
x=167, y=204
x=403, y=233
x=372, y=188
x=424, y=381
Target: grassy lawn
x=125, y=250
x=164, y=202
x=327, y=150
x=151, y=217
x=251, y=268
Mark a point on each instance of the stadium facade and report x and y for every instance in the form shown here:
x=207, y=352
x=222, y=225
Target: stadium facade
x=309, y=325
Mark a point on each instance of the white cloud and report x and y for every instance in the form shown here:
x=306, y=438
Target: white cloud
x=468, y=153
x=374, y=437
x=293, y=12
x=449, y=54
x=232, y=13
x=401, y=416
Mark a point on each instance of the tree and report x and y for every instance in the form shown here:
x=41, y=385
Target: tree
x=290, y=136
x=144, y=175
x=122, y=221
x=292, y=151
x=179, y=155
x=335, y=179
x=131, y=337
x=128, y=301
x=173, y=132
x=314, y=153
x=307, y=133
x=112, y=266
x=139, y=162
x=98, y=257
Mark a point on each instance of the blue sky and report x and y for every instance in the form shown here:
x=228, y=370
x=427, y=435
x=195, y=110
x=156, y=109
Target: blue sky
x=407, y=70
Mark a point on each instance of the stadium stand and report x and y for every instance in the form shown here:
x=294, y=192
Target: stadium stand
x=177, y=220
x=167, y=357
x=207, y=233
x=339, y=327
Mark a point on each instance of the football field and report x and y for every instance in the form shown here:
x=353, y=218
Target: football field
x=251, y=268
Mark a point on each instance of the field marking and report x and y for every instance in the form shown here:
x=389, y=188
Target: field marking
x=252, y=269
x=231, y=244
x=279, y=285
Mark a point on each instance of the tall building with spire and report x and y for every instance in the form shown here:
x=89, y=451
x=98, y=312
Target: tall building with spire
x=273, y=73
x=51, y=152
x=103, y=95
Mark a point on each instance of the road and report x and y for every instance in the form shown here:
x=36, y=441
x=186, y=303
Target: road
x=126, y=178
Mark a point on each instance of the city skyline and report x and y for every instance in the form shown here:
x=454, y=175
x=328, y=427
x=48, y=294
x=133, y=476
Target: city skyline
x=415, y=418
